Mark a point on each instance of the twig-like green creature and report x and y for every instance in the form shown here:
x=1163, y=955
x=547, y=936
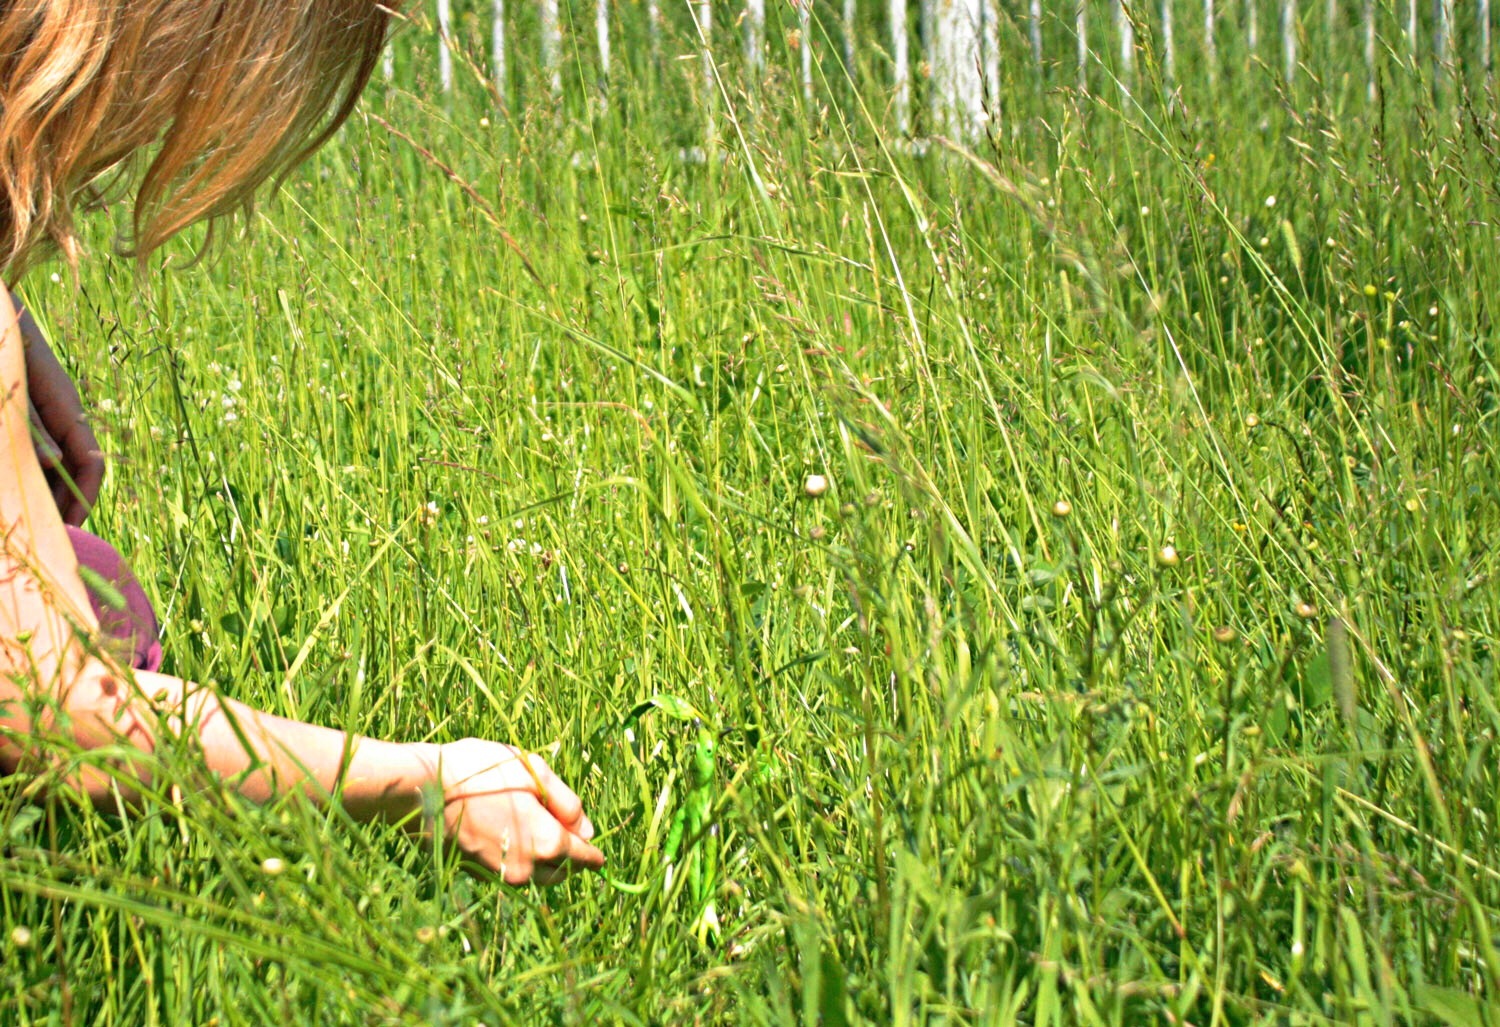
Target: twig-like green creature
x=692, y=844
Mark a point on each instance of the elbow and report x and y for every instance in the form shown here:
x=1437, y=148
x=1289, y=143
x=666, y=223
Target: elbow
x=82, y=735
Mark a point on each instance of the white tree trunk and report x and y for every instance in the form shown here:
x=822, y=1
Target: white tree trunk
x=653, y=28
x=601, y=34
x=1289, y=39
x=1252, y=27
x=846, y=24
x=1370, y=50
x=1411, y=26
x=1168, y=43
x=552, y=46
x=445, y=37
x=1211, y=40
x=804, y=35
x=1126, y=33
x=1369, y=26
x=755, y=35
x=902, y=56
x=1330, y=18
x=1484, y=35
x=1081, y=21
x=703, y=16
x=958, y=91
x=991, y=66
x=388, y=63
x=1035, y=24
x=497, y=49
x=1442, y=38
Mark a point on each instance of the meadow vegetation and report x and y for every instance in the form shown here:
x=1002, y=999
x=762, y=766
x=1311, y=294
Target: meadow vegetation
x=1132, y=660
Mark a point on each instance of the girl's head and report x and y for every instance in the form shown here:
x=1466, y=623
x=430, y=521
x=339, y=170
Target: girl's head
x=187, y=104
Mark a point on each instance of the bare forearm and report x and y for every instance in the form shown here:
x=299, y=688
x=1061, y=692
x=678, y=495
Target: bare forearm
x=267, y=756
x=263, y=756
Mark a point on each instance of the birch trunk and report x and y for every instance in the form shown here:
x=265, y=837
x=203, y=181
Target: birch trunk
x=958, y=92
x=846, y=25
x=1484, y=35
x=497, y=49
x=1035, y=24
x=703, y=17
x=988, y=9
x=1369, y=20
x=1289, y=39
x=804, y=36
x=1081, y=17
x=902, y=57
x=1211, y=40
x=445, y=35
x=552, y=47
x=1252, y=27
x=1168, y=44
x=1126, y=33
x=1442, y=39
x=755, y=34
x=601, y=34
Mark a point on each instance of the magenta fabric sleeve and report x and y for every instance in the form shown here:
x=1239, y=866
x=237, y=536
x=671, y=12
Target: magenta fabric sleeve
x=127, y=621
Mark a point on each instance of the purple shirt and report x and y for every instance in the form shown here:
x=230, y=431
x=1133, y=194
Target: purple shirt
x=129, y=629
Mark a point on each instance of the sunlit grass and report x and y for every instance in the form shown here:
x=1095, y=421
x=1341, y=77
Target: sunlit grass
x=1133, y=661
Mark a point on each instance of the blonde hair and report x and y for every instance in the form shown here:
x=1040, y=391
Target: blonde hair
x=190, y=104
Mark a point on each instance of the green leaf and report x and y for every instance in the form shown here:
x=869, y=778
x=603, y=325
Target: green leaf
x=679, y=709
x=1453, y=1007
x=1317, y=682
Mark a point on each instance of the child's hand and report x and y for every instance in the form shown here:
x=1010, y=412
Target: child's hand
x=507, y=811
x=72, y=463
x=65, y=444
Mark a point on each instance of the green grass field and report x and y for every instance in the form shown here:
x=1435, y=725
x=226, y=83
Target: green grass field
x=1136, y=663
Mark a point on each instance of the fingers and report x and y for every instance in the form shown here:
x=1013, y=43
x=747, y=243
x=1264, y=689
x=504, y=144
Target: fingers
x=556, y=852
x=539, y=850
x=513, y=815
x=48, y=452
x=561, y=801
x=85, y=464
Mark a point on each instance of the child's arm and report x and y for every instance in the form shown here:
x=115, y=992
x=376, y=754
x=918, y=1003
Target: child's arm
x=505, y=810
x=68, y=450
